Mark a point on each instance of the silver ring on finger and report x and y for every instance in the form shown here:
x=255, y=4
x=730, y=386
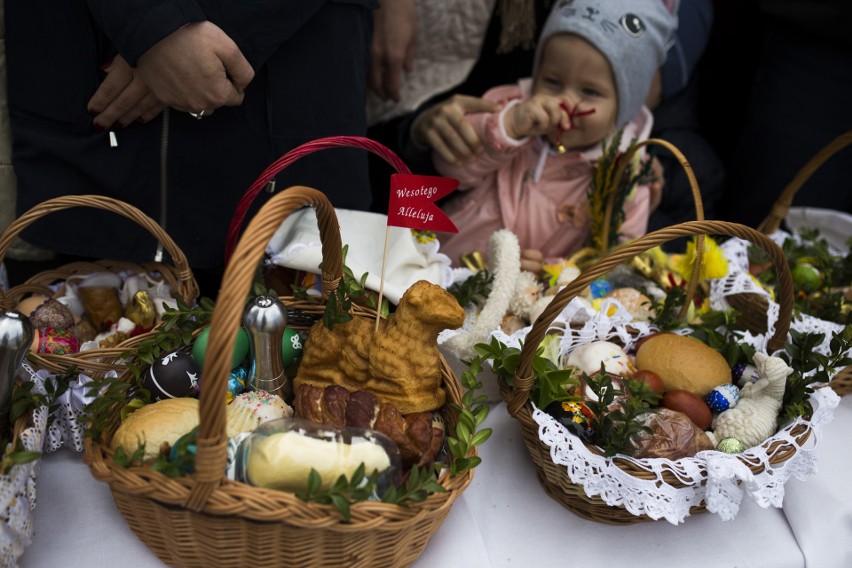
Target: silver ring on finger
x=197, y=115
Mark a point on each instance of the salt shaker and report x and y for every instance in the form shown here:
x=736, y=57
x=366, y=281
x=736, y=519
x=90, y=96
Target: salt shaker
x=16, y=335
x=265, y=318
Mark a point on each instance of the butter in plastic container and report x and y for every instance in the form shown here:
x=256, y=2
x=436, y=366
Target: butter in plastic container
x=281, y=453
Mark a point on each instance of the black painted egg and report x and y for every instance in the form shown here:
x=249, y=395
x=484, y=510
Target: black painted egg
x=173, y=375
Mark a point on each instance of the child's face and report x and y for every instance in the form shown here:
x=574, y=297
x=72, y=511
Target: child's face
x=573, y=70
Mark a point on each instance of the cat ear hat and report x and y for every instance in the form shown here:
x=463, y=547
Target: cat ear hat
x=633, y=35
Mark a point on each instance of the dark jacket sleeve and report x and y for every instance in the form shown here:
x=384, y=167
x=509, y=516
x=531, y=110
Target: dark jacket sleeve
x=258, y=27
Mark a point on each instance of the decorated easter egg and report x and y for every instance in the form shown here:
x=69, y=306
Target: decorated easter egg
x=730, y=446
x=241, y=347
x=723, y=397
x=236, y=383
x=54, y=341
x=574, y=416
x=292, y=347
x=588, y=358
x=173, y=375
x=742, y=374
x=52, y=313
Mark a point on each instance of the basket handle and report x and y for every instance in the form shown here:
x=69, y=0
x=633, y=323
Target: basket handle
x=692, y=285
x=782, y=205
x=187, y=286
x=293, y=155
x=227, y=316
x=523, y=379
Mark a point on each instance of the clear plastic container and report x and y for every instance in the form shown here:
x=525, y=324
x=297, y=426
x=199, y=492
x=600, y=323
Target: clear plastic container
x=281, y=453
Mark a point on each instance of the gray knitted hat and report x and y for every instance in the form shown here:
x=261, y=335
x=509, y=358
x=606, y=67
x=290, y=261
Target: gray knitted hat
x=632, y=34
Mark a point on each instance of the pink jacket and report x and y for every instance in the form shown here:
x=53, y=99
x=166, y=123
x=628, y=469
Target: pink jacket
x=528, y=188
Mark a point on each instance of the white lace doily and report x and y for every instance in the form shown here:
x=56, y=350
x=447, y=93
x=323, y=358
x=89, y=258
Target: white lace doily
x=64, y=428
x=18, y=495
x=738, y=281
x=718, y=479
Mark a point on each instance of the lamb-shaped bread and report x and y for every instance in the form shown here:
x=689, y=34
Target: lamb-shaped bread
x=400, y=363
x=755, y=416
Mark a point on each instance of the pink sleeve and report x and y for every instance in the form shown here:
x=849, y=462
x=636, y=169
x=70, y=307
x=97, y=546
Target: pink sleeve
x=498, y=148
x=637, y=209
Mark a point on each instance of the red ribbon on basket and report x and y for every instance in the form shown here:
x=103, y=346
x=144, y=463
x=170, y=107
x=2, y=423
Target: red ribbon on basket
x=296, y=153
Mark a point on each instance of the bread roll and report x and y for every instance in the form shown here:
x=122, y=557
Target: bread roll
x=157, y=423
x=683, y=363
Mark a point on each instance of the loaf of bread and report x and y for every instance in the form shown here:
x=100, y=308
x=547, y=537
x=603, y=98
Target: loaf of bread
x=683, y=363
x=156, y=424
x=419, y=436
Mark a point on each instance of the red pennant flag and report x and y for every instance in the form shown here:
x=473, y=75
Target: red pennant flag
x=412, y=204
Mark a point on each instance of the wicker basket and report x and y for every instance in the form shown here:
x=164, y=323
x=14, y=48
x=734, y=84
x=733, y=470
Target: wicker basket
x=206, y=520
x=179, y=276
x=554, y=477
x=752, y=307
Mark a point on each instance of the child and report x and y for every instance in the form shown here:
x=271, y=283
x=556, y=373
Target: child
x=594, y=64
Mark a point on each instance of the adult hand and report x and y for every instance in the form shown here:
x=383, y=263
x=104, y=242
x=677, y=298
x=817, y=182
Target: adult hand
x=122, y=98
x=392, y=50
x=444, y=128
x=197, y=67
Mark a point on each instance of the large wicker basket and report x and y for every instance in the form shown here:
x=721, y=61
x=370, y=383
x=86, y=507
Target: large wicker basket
x=178, y=275
x=555, y=478
x=753, y=307
x=206, y=520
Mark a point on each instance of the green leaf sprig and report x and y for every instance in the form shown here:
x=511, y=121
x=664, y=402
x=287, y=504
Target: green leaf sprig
x=473, y=291
x=615, y=426
x=343, y=492
x=551, y=382
x=15, y=454
x=472, y=412
x=421, y=483
x=802, y=356
x=175, y=331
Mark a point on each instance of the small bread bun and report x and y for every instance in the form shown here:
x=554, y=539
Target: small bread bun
x=163, y=421
x=683, y=363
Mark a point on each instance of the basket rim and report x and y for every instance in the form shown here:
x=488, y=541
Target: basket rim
x=224, y=497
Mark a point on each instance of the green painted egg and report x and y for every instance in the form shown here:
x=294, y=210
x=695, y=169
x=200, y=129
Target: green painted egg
x=292, y=347
x=241, y=347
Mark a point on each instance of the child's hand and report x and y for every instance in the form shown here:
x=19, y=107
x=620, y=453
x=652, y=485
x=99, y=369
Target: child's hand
x=532, y=261
x=540, y=114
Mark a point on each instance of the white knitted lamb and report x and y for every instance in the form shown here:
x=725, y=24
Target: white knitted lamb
x=754, y=417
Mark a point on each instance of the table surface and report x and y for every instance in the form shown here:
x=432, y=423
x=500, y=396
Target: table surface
x=505, y=519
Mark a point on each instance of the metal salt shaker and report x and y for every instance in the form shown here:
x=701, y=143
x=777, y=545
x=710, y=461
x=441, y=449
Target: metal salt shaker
x=16, y=335
x=265, y=318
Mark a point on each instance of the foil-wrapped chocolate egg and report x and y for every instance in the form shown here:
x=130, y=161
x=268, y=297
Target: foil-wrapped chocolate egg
x=730, y=446
x=723, y=397
x=173, y=375
x=236, y=383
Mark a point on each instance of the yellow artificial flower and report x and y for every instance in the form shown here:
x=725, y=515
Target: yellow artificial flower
x=713, y=263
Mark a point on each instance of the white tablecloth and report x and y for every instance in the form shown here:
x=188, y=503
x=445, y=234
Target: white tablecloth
x=506, y=519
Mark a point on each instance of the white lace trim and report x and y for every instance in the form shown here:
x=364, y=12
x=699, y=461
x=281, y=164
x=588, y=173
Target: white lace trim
x=18, y=495
x=718, y=479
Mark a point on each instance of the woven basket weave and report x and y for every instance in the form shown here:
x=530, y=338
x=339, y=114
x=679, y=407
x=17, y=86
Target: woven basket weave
x=206, y=520
x=178, y=276
x=554, y=477
x=753, y=308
